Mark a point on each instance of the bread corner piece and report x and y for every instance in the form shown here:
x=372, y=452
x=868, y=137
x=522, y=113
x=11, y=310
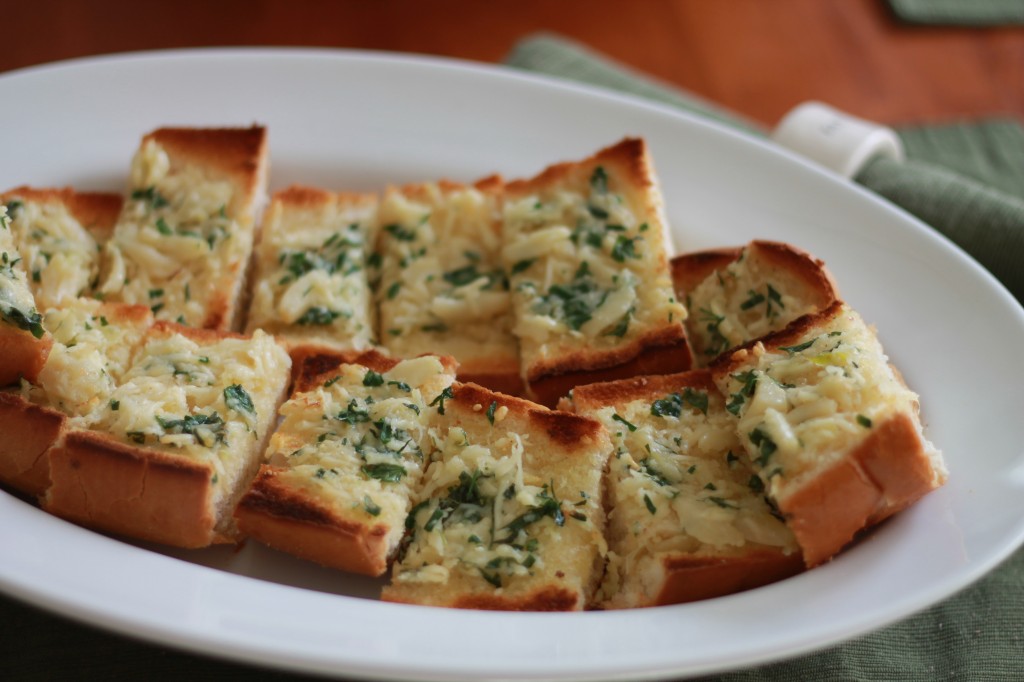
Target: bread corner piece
x=311, y=286
x=509, y=516
x=338, y=477
x=830, y=427
x=183, y=242
x=688, y=519
x=587, y=246
x=167, y=456
x=740, y=294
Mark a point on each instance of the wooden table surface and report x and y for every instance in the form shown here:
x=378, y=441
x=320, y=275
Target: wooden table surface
x=758, y=57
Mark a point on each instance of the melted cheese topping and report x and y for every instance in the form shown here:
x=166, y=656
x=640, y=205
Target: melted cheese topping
x=587, y=270
x=442, y=283
x=677, y=485
x=312, y=282
x=485, y=522
x=803, y=407
x=92, y=349
x=741, y=302
x=211, y=402
x=60, y=255
x=360, y=442
x=17, y=305
x=178, y=246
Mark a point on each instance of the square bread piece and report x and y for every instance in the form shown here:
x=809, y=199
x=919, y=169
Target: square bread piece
x=737, y=295
x=24, y=344
x=310, y=286
x=93, y=344
x=178, y=441
x=58, y=234
x=183, y=241
x=830, y=428
x=342, y=466
x=442, y=285
x=688, y=519
x=586, y=247
x=510, y=515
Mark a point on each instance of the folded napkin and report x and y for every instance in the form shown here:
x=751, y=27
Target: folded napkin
x=959, y=12
x=967, y=181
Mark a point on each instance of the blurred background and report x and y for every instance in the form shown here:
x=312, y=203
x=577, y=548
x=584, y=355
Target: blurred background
x=757, y=57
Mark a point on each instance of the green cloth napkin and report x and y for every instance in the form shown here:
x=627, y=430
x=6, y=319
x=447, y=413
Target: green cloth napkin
x=960, y=12
x=967, y=181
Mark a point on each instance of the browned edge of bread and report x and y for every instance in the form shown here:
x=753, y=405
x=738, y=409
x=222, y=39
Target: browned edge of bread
x=23, y=354
x=505, y=380
x=630, y=154
x=29, y=431
x=886, y=473
x=96, y=211
x=690, y=269
x=690, y=579
x=288, y=520
x=317, y=365
x=101, y=483
x=663, y=351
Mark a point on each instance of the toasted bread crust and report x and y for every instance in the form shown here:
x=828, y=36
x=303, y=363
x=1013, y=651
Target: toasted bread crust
x=662, y=351
x=23, y=354
x=883, y=475
x=240, y=154
x=316, y=365
x=286, y=519
x=29, y=430
x=690, y=269
x=96, y=211
x=629, y=155
x=546, y=598
x=595, y=396
x=689, y=578
x=147, y=494
x=503, y=379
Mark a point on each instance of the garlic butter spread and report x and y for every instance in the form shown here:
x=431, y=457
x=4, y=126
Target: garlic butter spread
x=210, y=402
x=359, y=443
x=678, y=483
x=312, y=275
x=178, y=244
x=442, y=283
x=17, y=305
x=60, y=257
x=586, y=271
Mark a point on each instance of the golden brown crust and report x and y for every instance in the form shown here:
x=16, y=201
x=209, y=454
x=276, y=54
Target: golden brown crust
x=102, y=483
x=239, y=154
x=497, y=374
x=886, y=473
x=304, y=196
x=28, y=430
x=96, y=211
x=23, y=354
x=595, y=396
x=289, y=520
x=545, y=598
x=316, y=365
x=662, y=351
x=691, y=578
x=630, y=155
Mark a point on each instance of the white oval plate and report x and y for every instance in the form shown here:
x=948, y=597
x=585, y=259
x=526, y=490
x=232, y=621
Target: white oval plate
x=359, y=121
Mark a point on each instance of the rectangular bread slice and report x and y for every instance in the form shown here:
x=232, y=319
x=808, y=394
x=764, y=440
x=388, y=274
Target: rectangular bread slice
x=178, y=441
x=93, y=344
x=586, y=248
x=58, y=233
x=687, y=517
x=183, y=241
x=310, y=286
x=338, y=476
x=509, y=516
x=830, y=428
x=24, y=344
x=442, y=286
x=737, y=295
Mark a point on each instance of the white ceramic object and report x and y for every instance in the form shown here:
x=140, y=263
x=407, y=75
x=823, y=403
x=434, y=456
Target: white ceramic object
x=359, y=121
